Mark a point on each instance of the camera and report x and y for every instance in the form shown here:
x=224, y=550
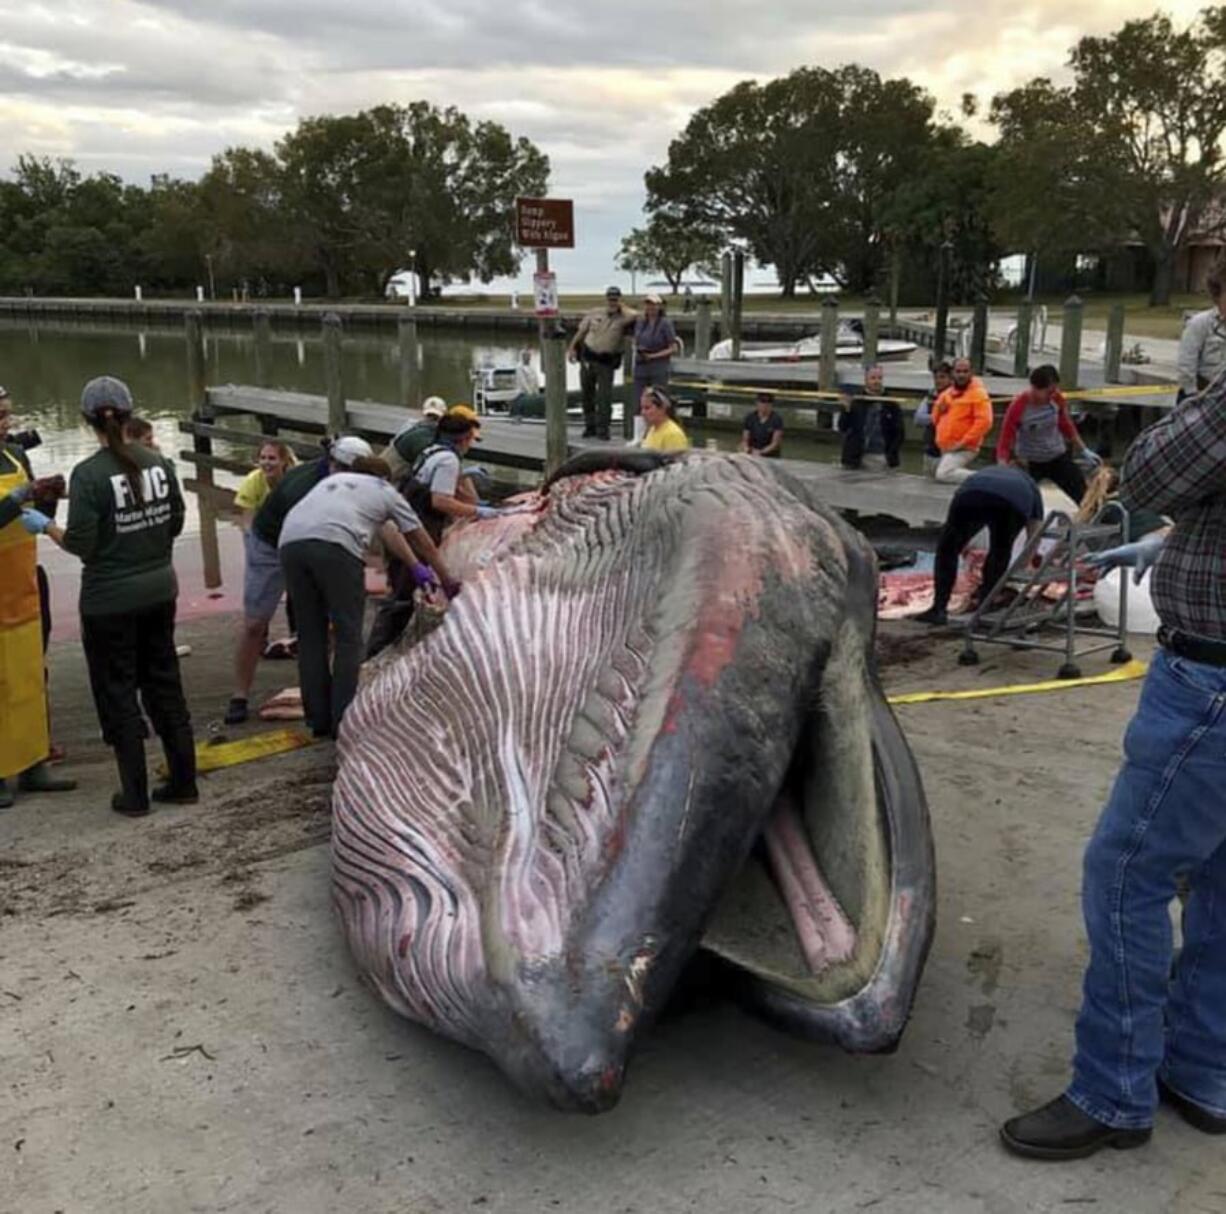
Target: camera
x=27, y=440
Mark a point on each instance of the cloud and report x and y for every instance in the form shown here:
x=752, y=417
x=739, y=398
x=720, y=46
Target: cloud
x=143, y=86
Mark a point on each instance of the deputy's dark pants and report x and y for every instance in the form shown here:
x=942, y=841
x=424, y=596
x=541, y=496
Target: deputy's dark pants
x=1061, y=471
x=596, y=384
x=328, y=586
x=132, y=662
x=970, y=511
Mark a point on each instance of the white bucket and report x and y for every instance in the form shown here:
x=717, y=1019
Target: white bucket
x=1142, y=618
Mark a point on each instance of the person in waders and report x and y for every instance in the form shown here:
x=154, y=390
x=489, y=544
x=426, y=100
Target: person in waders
x=125, y=509
x=25, y=741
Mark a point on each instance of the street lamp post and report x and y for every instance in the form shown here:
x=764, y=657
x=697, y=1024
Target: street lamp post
x=208, y=261
x=412, y=278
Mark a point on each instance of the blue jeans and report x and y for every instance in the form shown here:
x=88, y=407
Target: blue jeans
x=1166, y=818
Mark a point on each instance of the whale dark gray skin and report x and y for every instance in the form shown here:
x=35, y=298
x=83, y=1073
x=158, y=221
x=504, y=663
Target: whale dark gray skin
x=650, y=720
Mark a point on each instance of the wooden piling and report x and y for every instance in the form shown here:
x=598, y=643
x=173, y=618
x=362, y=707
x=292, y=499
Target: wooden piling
x=828, y=364
x=702, y=329
x=979, y=334
x=1021, y=350
x=553, y=356
x=942, y=317
x=1070, y=343
x=725, y=295
x=334, y=379
x=198, y=403
x=631, y=405
x=410, y=391
x=1113, y=351
x=738, y=300
x=872, y=329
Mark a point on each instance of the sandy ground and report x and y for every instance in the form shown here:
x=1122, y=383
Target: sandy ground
x=181, y=1028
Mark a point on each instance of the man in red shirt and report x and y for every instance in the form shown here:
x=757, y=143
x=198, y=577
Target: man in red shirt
x=1038, y=434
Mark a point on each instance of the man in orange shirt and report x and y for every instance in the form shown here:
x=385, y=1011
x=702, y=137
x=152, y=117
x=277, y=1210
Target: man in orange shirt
x=963, y=416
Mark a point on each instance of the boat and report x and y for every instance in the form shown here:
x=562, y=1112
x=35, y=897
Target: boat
x=850, y=347
x=494, y=389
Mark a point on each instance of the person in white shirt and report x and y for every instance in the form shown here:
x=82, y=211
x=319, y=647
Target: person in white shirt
x=527, y=385
x=1202, y=347
x=323, y=547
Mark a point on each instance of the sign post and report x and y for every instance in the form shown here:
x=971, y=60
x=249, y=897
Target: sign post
x=542, y=224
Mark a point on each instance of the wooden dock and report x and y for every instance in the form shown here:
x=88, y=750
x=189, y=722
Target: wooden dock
x=914, y=500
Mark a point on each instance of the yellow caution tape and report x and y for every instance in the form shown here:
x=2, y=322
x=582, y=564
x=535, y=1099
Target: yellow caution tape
x=1121, y=674
x=213, y=757
x=714, y=385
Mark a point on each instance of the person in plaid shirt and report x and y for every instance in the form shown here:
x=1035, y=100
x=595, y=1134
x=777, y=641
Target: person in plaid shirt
x=1146, y=1033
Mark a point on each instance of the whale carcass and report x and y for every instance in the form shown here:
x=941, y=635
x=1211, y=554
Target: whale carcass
x=650, y=719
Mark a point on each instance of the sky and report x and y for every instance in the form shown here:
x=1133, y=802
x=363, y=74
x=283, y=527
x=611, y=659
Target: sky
x=139, y=88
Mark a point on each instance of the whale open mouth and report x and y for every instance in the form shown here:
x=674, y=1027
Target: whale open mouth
x=650, y=719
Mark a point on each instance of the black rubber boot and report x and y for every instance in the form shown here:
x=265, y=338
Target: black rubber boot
x=133, y=797
x=1060, y=1131
x=180, y=750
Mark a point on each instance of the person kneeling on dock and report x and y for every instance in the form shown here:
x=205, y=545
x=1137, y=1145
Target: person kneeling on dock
x=872, y=428
x=1038, y=435
x=762, y=433
x=963, y=416
x=1004, y=500
x=323, y=552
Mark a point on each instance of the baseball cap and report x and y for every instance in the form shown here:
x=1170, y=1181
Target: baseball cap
x=466, y=413
x=3, y=392
x=652, y=297
x=613, y=293
x=105, y=392
x=345, y=451
x=433, y=406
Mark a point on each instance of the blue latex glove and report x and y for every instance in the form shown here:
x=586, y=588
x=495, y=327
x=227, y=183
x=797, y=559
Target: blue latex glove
x=488, y=512
x=35, y=521
x=22, y=492
x=422, y=575
x=1138, y=556
x=1090, y=458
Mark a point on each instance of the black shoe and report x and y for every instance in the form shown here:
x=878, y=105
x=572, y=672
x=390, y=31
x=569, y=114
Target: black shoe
x=236, y=711
x=1060, y=1130
x=129, y=809
x=938, y=619
x=1193, y=1114
x=167, y=793
x=588, y=432
x=603, y=434
x=39, y=778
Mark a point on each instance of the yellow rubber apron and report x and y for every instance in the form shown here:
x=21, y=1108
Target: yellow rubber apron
x=24, y=740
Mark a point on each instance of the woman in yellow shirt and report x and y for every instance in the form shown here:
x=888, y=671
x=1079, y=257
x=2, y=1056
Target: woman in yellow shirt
x=663, y=432
x=272, y=463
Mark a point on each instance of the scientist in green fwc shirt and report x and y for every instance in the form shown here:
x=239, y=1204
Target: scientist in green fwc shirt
x=125, y=509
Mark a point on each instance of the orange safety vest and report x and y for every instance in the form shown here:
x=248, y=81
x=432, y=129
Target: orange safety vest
x=24, y=740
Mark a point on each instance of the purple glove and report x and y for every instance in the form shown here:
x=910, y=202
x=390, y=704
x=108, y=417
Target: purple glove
x=423, y=576
x=452, y=588
x=22, y=492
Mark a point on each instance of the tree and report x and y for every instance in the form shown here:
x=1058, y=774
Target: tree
x=1132, y=149
x=799, y=169
x=946, y=208
x=669, y=247
x=368, y=188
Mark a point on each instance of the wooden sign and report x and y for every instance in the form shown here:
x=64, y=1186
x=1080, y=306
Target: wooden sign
x=545, y=223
